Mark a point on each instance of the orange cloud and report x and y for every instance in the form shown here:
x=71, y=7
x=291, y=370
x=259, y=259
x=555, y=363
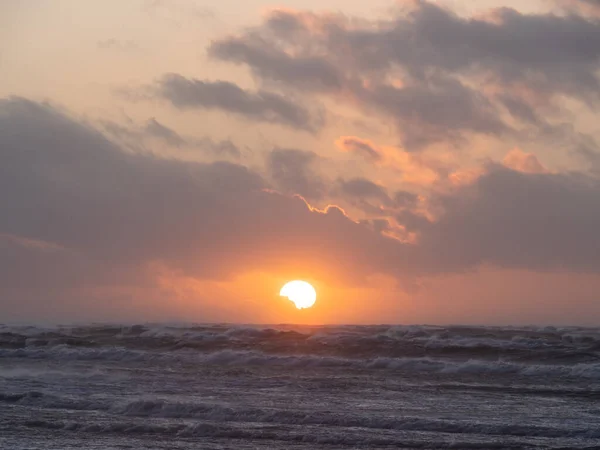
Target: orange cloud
x=356, y=145
x=524, y=162
x=465, y=177
x=415, y=168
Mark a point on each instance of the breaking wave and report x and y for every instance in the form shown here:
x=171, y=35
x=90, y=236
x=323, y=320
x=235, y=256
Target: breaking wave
x=526, y=351
x=158, y=408
x=343, y=438
x=257, y=359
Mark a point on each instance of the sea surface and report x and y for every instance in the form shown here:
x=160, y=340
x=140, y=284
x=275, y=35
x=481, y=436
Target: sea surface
x=298, y=387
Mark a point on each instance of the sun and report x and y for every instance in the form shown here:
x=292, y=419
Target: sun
x=300, y=292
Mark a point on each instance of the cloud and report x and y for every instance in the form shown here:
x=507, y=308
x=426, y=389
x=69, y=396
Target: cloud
x=412, y=167
x=404, y=199
x=587, y=151
x=592, y=3
x=519, y=160
x=520, y=109
x=136, y=137
x=293, y=171
x=367, y=196
x=512, y=45
x=535, y=221
x=438, y=76
x=363, y=188
x=440, y=111
x=63, y=183
x=591, y=7
x=260, y=106
x=160, y=131
x=359, y=146
x=28, y=263
x=220, y=148
x=279, y=50
x=270, y=63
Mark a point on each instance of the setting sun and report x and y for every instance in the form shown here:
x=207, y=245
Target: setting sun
x=300, y=292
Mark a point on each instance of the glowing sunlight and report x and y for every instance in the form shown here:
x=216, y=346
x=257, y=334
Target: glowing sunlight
x=300, y=292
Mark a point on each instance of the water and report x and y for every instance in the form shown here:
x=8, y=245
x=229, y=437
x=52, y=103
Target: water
x=298, y=387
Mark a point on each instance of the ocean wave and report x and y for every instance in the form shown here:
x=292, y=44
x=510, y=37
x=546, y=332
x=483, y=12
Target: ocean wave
x=350, y=438
x=220, y=414
x=545, y=345
x=49, y=401
x=250, y=358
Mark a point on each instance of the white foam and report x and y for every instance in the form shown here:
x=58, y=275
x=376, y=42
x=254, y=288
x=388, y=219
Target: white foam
x=255, y=358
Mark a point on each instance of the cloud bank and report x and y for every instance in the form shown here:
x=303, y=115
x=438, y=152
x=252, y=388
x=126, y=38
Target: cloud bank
x=66, y=185
x=437, y=75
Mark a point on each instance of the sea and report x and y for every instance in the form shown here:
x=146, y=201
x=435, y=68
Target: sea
x=220, y=386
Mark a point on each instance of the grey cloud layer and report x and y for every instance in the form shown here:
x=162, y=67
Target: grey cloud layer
x=439, y=112
x=271, y=63
x=513, y=219
x=558, y=51
x=63, y=183
x=363, y=188
x=262, y=105
x=440, y=60
x=135, y=136
x=156, y=129
x=594, y=3
x=355, y=145
x=293, y=171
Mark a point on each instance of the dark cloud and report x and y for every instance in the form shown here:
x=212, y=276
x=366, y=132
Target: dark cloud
x=222, y=148
x=49, y=266
x=404, y=199
x=580, y=6
x=294, y=172
x=79, y=211
x=369, y=197
x=363, y=188
x=261, y=106
x=64, y=184
x=413, y=222
x=360, y=146
x=588, y=151
x=520, y=109
x=519, y=220
x=380, y=225
x=135, y=137
x=274, y=64
x=425, y=67
x=156, y=129
x=546, y=51
x=593, y=3
x=290, y=48
x=440, y=111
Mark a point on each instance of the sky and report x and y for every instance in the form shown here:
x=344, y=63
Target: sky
x=417, y=161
